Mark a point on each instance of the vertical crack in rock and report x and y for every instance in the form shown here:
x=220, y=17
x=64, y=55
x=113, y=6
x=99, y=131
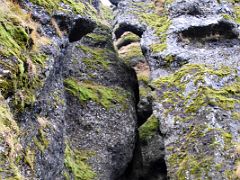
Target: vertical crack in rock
x=148, y=157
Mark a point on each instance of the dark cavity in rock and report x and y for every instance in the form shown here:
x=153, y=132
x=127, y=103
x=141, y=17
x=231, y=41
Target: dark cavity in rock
x=127, y=27
x=214, y=32
x=81, y=27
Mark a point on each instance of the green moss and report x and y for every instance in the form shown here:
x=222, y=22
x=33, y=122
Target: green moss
x=29, y=158
x=105, y=96
x=156, y=48
x=41, y=140
x=98, y=57
x=227, y=17
x=133, y=51
x=70, y=6
x=194, y=166
x=237, y=13
x=39, y=58
x=143, y=78
x=106, y=12
x=144, y=91
x=236, y=9
x=66, y=176
x=18, y=50
x=185, y=162
x=11, y=149
x=148, y=129
x=97, y=37
x=224, y=97
x=129, y=37
x=160, y=23
x=75, y=162
x=236, y=115
x=77, y=7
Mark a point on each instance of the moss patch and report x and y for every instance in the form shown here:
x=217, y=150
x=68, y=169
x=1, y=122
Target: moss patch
x=158, y=21
x=148, y=129
x=97, y=37
x=202, y=95
x=19, y=54
x=131, y=52
x=106, y=96
x=11, y=149
x=75, y=6
x=97, y=57
x=75, y=162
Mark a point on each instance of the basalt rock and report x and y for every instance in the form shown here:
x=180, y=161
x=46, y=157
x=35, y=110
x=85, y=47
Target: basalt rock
x=192, y=51
x=146, y=90
x=68, y=109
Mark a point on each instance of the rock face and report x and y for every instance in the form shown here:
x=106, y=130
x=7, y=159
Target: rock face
x=72, y=100
x=192, y=50
x=151, y=93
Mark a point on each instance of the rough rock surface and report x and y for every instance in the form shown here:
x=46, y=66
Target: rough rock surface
x=193, y=53
x=149, y=89
x=72, y=99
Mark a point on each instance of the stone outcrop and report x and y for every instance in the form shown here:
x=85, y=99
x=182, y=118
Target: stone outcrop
x=142, y=90
x=72, y=101
x=192, y=51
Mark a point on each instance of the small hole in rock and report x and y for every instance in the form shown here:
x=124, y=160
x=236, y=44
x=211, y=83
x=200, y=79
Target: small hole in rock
x=81, y=28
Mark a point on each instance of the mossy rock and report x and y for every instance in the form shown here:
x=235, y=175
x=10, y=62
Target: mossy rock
x=158, y=21
x=148, y=129
x=108, y=97
x=76, y=164
x=189, y=101
x=11, y=149
x=131, y=52
x=127, y=38
x=225, y=97
x=20, y=55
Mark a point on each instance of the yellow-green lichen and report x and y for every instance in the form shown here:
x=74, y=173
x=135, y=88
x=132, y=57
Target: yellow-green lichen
x=72, y=6
x=106, y=96
x=148, y=129
x=97, y=37
x=158, y=21
x=106, y=13
x=29, y=157
x=11, y=149
x=98, y=57
x=76, y=6
x=76, y=163
x=19, y=54
x=236, y=9
x=185, y=163
x=131, y=52
x=41, y=140
x=129, y=37
x=225, y=97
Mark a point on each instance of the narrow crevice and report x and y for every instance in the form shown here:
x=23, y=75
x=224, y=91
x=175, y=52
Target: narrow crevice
x=137, y=170
x=139, y=167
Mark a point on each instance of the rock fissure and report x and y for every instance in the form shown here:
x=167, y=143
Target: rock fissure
x=140, y=90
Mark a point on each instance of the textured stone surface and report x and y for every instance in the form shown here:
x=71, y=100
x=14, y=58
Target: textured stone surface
x=161, y=102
